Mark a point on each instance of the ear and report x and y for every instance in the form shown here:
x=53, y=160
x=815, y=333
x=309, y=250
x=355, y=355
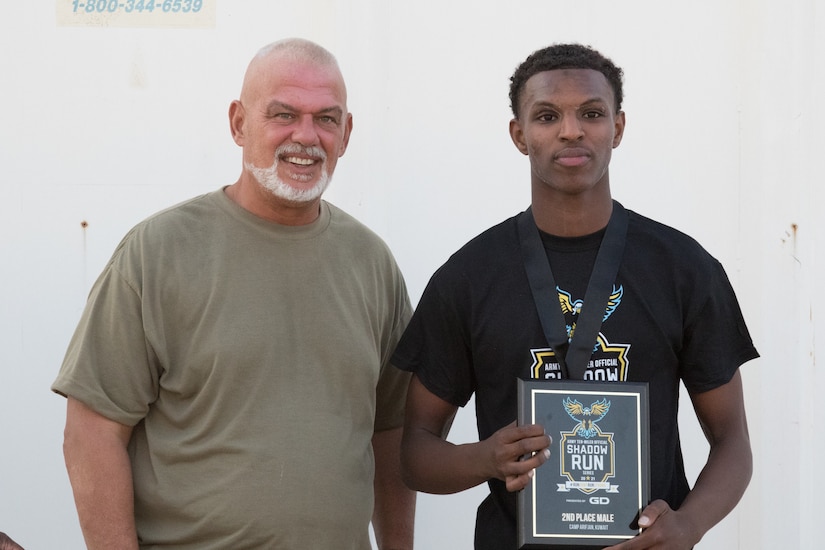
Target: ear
x=618, y=129
x=347, y=132
x=237, y=115
x=517, y=135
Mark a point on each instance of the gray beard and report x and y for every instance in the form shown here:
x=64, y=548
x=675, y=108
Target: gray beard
x=269, y=179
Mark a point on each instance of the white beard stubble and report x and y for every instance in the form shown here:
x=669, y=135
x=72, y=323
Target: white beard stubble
x=269, y=179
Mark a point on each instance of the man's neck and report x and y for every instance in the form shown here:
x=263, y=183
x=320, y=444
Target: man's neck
x=254, y=198
x=572, y=216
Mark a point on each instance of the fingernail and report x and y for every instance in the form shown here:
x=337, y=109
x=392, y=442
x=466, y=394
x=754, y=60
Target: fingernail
x=546, y=453
x=530, y=473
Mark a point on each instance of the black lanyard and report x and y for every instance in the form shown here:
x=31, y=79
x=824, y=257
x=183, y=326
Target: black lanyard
x=572, y=355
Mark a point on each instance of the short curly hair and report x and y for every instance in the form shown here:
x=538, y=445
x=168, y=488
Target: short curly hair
x=564, y=56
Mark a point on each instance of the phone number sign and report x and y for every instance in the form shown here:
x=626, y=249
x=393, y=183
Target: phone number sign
x=136, y=13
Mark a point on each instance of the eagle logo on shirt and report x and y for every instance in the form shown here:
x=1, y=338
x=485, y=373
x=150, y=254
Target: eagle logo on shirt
x=569, y=306
x=610, y=361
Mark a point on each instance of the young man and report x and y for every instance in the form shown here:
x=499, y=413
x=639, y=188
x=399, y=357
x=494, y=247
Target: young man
x=228, y=384
x=673, y=317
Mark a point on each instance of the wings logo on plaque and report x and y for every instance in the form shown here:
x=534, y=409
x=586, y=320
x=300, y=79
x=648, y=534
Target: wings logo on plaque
x=587, y=454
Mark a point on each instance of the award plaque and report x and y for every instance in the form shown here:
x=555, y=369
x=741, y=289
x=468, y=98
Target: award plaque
x=590, y=492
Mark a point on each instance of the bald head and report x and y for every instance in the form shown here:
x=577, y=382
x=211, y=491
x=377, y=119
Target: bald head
x=298, y=48
x=286, y=53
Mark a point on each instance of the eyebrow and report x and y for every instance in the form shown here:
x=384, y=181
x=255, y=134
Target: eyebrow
x=586, y=103
x=275, y=105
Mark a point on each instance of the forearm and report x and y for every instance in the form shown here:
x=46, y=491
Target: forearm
x=719, y=487
x=101, y=477
x=434, y=465
x=393, y=518
x=727, y=472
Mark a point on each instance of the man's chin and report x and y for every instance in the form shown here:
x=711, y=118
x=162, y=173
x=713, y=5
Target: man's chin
x=298, y=195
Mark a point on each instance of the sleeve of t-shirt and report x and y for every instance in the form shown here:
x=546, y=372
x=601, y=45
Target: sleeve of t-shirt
x=717, y=341
x=435, y=346
x=391, y=391
x=108, y=365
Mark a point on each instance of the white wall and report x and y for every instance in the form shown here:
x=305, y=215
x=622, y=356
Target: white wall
x=107, y=125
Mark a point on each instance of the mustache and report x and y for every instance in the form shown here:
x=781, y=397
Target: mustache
x=297, y=149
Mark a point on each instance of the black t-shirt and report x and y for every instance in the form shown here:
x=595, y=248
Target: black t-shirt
x=674, y=316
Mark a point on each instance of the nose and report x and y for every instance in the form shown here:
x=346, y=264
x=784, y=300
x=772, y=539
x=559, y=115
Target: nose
x=304, y=131
x=570, y=128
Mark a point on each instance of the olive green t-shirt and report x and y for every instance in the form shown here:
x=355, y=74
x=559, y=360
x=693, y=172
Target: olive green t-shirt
x=252, y=360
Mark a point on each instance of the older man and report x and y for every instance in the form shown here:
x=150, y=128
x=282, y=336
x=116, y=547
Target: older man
x=228, y=383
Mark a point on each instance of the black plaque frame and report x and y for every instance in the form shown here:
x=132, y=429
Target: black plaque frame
x=562, y=507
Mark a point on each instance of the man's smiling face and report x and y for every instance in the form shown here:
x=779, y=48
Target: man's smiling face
x=296, y=126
